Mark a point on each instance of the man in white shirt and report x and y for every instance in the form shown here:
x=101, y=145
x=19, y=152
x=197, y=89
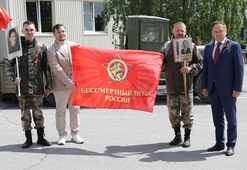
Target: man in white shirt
x=59, y=60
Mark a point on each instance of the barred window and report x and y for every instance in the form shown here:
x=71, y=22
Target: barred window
x=40, y=12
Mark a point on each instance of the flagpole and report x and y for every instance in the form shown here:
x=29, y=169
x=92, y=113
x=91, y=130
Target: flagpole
x=17, y=69
x=184, y=77
x=17, y=65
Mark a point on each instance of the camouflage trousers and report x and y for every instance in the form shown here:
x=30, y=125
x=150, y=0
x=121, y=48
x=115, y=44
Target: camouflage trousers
x=177, y=102
x=36, y=102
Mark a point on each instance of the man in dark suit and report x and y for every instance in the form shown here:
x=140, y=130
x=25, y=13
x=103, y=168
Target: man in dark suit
x=222, y=80
x=186, y=49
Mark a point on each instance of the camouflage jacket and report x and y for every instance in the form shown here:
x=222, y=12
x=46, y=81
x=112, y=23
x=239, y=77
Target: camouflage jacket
x=174, y=78
x=32, y=66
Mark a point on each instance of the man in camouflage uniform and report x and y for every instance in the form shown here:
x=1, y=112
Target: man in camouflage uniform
x=32, y=65
x=176, y=99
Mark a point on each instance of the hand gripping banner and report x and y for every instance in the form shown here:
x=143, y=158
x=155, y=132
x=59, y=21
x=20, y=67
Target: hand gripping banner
x=116, y=79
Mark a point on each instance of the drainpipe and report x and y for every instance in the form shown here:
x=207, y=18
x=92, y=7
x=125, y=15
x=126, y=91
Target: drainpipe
x=10, y=12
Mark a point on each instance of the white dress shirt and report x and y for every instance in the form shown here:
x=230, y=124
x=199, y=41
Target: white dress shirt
x=215, y=46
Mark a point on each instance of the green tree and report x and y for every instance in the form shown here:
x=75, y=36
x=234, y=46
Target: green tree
x=198, y=15
x=231, y=12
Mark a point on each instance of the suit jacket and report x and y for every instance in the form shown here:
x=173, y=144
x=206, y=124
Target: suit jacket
x=61, y=68
x=185, y=52
x=228, y=71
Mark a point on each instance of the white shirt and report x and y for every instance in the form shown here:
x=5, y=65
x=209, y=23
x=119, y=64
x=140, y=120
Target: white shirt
x=65, y=48
x=215, y=46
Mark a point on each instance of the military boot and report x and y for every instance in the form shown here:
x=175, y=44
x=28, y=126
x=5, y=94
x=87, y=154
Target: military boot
x=29, y=141
x=186, y=138
x=41, y=140
x=177, y=138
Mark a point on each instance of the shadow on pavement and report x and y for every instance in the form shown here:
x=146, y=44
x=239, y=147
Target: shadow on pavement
x=151, y=151
x=153, y=154
x=180, y=156
x=57, y=150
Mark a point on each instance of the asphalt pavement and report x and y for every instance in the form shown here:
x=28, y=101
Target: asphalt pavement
x=121, y=140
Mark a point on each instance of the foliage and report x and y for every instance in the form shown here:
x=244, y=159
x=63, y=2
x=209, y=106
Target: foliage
x=198, y=15
x=244, y=43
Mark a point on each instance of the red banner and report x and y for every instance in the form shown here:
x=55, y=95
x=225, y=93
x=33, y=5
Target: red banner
x=116, y=79
x=4, y=18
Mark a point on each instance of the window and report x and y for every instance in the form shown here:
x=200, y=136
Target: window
x=93, y=16
x=152, y=32
x=40, y=12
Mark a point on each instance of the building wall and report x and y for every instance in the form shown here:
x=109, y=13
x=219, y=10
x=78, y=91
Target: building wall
x=67, y=12
x=3, y=46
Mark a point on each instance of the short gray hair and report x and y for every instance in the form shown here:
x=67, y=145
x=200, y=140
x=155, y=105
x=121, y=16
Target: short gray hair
x=179, y=24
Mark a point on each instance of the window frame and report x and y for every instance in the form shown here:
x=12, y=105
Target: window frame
x=39, y=29
x=152, y=25
x=92, y=3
